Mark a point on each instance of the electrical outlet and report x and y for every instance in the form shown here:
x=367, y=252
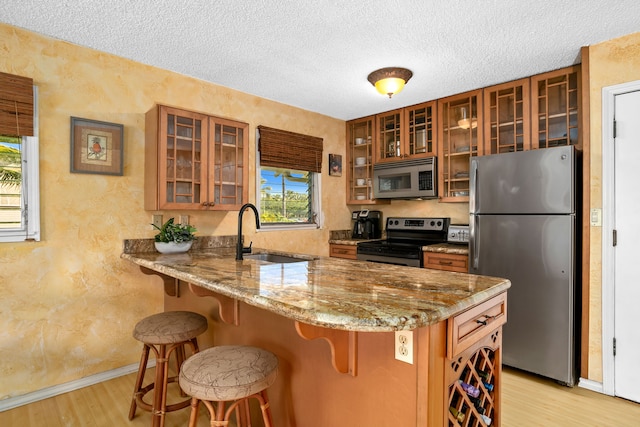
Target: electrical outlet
x=184, y=219
x=403, y=346
x=157, y=220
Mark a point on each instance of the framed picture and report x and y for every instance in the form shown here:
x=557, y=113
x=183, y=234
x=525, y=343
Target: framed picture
x=335, y=164
x=96, y=147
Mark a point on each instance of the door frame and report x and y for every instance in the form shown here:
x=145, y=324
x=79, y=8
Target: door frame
x=608, y=274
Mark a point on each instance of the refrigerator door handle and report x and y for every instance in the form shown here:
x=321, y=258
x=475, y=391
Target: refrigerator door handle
x=473, y=186
x=473, y=238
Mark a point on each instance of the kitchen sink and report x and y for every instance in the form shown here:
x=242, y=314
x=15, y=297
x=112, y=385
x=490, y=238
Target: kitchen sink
x=275, y=258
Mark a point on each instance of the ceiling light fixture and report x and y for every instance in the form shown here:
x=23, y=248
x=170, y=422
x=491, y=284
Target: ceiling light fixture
x=389, y=81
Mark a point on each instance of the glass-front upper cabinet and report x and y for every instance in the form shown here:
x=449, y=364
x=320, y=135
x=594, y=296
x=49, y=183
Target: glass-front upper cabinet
x=459, y=138
x=194, y=161
x=176, y=147
x=390, y=137
x=228, y=177
x=555, y=108
x=359, y=164
x=420, y=130
x=507, y=118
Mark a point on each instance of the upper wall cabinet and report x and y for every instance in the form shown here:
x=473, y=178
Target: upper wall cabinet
x=420, y=125
x=406, y=133
x=555, y=108
x=194, y=161
x=390, y=138
x=359, y=162
x=459, y=138
x=507, y=118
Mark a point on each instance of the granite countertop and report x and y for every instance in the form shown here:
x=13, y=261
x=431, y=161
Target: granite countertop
x=328, y=292
x=447, y=248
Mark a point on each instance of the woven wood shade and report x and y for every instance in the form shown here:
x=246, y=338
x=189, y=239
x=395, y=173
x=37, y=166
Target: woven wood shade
x=289, y=150
x=16, y=105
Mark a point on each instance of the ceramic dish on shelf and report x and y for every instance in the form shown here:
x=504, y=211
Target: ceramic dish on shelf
x=361, y=161
x=460, y=193
x=359, y=141
x=360, y=181
x=461, y=174
x=462, y=149
x=359, y=197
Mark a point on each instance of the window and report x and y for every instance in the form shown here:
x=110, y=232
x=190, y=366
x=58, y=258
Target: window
x=19, y=184
x=289, y=166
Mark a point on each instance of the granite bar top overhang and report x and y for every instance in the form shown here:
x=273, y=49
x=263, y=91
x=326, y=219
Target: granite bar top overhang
x=330, y=292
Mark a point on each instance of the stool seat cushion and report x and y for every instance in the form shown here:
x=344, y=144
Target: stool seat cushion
x=227, y=373
x=170, y=327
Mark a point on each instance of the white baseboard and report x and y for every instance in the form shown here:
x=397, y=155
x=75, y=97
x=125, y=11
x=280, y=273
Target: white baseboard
x=591, y=385
x=45, y=393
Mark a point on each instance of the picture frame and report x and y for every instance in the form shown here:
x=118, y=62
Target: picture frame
x=335, y=165
x=96, y=147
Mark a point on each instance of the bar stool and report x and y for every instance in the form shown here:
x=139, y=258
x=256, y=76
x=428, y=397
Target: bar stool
x=229, y=374
x=164, y=333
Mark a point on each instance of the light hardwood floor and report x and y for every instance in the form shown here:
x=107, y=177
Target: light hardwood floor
x=527, y=401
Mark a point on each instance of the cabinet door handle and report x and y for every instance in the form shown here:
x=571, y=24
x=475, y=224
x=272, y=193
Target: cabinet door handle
x=445, y=262
x=486, y=319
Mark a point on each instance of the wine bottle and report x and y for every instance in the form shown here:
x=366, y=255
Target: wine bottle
x=477, y=403
x=486, y=419
x=483, y=374
x=488, y=386
x=469, y=389
x=459, y=415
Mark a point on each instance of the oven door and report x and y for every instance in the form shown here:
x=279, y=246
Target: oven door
x=389, y=259
x=409, y=179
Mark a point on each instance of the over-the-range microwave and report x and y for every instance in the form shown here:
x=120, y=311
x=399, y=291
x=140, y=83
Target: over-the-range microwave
x=406, y=179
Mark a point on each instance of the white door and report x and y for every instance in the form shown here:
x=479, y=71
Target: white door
x=626, y=217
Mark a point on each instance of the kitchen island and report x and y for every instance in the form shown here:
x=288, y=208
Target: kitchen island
x=350, y=376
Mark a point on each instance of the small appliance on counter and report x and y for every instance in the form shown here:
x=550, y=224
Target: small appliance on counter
x=458, y=234
x=366, y=224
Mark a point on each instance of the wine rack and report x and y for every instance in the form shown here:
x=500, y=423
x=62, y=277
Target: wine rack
x=482, y=371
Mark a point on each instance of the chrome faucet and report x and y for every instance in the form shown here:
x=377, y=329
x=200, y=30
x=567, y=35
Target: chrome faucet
x=239, y=248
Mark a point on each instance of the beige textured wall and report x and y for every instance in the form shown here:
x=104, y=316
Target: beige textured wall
x=612, y=62
x=69, y=303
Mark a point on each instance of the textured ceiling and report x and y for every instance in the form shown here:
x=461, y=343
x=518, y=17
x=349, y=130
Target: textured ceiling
x=316, y=55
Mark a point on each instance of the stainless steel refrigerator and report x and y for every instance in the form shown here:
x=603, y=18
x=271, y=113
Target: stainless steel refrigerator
x=523, y=227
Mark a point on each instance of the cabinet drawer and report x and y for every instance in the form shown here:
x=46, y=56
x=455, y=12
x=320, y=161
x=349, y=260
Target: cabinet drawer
x=343, y=251
x=448, y=262
x=469, y=327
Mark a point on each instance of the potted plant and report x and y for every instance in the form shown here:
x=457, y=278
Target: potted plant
x=174, y=238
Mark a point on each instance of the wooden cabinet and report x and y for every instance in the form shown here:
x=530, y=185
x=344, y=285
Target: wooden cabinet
x=507, y=118
x=343, y=251
x=555, y=108
x=360, y=161
x=389, y=136
x=459, y=139
x=474, y=357
x=406, y=133
x=420, y=129
x=194, y=161
x=446, y=261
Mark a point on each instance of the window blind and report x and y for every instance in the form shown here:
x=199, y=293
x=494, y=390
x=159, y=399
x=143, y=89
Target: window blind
x=289, y=150
x=16, y=105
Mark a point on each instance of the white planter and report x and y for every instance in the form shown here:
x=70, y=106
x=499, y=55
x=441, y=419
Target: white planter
x=173, y=247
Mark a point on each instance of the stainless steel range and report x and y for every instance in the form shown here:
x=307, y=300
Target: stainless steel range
x=405, y=239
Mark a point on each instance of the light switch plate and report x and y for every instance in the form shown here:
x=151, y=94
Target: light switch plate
x=596, y=217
